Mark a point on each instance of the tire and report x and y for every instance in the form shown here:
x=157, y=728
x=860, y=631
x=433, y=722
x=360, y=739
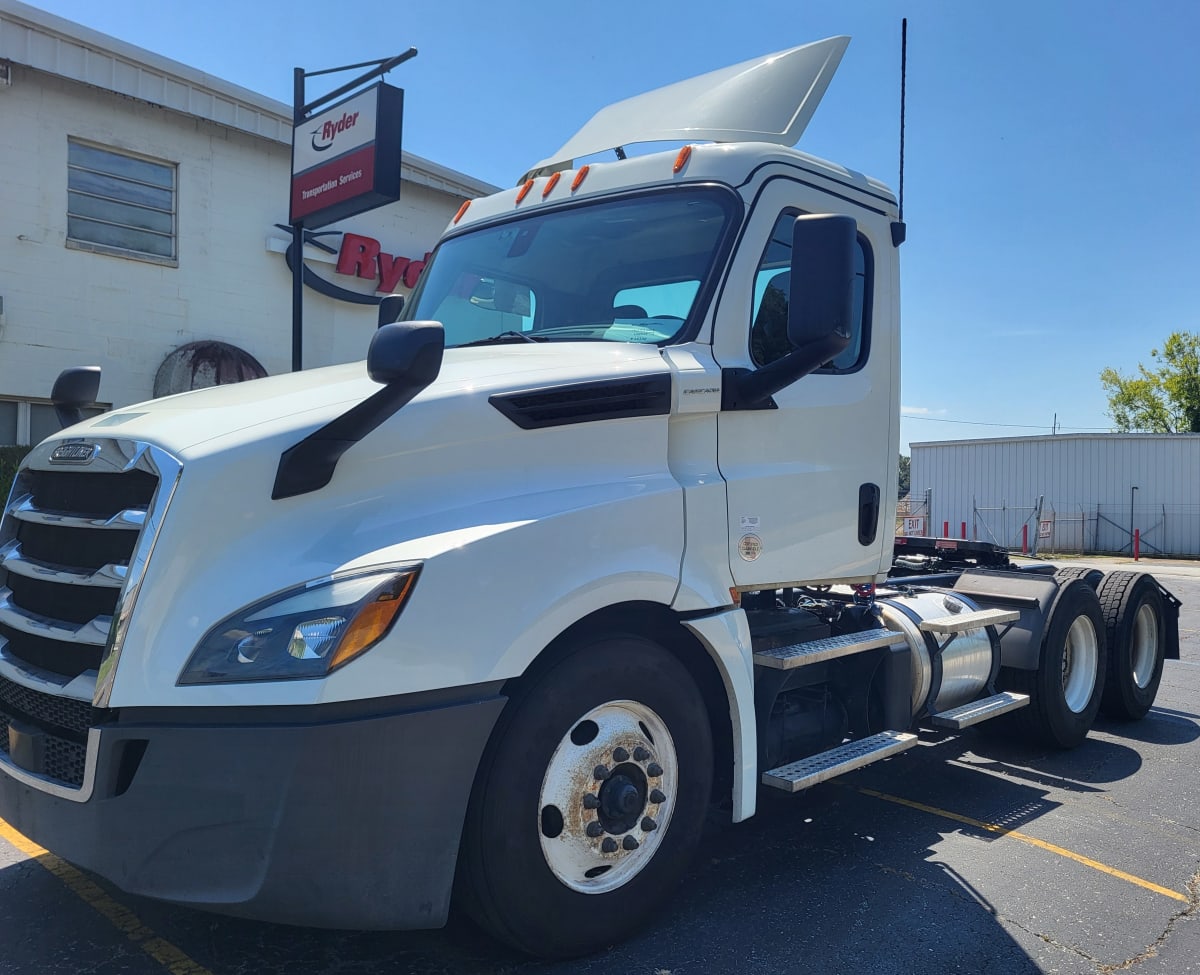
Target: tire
x=1091, y=576
x=1065, y=691
x=1136, y=629
x=530, y=872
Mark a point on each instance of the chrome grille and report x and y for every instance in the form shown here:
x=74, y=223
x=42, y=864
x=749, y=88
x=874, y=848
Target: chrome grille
x=75, y=539
x=70, y=538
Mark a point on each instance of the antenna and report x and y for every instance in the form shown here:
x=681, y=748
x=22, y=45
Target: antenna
x=903, y=76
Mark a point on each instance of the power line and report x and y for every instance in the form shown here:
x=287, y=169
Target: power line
x=1020, y=426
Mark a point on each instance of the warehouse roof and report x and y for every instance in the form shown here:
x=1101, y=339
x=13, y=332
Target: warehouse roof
x=1058, y=437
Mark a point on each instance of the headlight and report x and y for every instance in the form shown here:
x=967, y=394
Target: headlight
x=304, y=632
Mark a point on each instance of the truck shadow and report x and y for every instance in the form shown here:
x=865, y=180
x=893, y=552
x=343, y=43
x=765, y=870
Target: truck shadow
x=885, y=870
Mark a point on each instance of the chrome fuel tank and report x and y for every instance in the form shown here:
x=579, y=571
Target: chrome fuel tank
x=957, y=675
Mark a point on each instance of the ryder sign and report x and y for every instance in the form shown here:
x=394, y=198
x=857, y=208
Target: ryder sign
x=346, y=160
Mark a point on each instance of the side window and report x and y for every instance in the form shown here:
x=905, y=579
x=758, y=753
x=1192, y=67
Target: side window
x=772, y=291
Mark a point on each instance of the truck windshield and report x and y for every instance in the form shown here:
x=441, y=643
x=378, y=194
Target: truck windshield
x=622, y=270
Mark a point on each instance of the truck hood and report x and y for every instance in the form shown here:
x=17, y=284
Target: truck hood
x=301, y=401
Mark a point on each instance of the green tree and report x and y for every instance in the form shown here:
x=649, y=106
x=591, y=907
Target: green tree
x=905, y=475
x=10, y=458
x=1165, y=399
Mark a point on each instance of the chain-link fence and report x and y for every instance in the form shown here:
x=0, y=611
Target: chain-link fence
x=1161, y=529
x=912, y=515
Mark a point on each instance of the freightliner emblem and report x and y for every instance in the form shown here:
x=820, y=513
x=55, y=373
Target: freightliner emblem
x=75, y=453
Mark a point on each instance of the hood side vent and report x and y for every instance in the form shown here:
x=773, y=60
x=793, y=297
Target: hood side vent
x=585, y=402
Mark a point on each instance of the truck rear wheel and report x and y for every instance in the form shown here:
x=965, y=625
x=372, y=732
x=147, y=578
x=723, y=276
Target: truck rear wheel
x=1134, y=618
x=590, y=801
x=1066, y=689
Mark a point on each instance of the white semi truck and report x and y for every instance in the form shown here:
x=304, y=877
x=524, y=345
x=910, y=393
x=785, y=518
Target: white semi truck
x=598, y=540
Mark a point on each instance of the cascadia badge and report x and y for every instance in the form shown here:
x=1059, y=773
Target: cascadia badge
x=74, y=452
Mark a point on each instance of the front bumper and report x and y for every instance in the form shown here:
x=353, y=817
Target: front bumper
x=325, y=817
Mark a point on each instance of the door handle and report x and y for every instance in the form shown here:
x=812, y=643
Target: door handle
x=868, y=513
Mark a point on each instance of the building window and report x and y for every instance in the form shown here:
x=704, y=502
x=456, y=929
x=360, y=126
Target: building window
x=119, y=204
x=29, y=422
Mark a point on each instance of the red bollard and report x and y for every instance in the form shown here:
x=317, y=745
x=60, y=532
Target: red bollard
x=1137, y=543
x=1024, y=539
x=945, y=529
x=964, y=531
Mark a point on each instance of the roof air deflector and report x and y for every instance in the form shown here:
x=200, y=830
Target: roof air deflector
x=765, y=99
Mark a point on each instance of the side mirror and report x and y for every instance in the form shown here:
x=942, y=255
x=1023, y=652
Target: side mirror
x=390, y=308
x=820, y=311
x=74, y=389
x=822, y=299
x=408, y=351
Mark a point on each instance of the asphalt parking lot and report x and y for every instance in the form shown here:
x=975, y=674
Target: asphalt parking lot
x=966, y=854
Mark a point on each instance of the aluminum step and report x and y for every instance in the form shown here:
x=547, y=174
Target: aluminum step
x=962, y=622
x=845, y=758
x=989, y=707
x=827, y=648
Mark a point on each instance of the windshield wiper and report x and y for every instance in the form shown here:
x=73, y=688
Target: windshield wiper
x=501, y=337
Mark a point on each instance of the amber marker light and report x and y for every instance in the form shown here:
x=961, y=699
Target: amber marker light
x=553, y=182
x=579, y=178
x=524, y=190
x=372, y=622
x=681, y=160
x=461, y=210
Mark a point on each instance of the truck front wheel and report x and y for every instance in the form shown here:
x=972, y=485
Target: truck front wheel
x=590, y=801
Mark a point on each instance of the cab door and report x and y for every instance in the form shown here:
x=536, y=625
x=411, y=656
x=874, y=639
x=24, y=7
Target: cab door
x=810, y=483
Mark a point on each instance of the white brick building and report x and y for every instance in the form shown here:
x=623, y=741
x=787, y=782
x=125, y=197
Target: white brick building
x=96, y=130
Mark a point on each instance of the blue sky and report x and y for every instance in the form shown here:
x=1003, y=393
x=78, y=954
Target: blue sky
x=1051, y=188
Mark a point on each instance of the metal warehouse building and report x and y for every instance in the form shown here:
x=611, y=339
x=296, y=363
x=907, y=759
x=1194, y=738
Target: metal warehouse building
x=1065, y=493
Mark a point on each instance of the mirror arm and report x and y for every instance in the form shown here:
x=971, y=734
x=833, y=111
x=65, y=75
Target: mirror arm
x=745, y=389
x=309, y=464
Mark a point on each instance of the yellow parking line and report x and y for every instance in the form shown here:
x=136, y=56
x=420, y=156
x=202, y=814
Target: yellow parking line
x=121, y=918
x=1031, y=840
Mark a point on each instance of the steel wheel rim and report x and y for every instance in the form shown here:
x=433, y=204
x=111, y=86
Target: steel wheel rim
x=1079, y=667
x=607, y=798
x=1144, y=645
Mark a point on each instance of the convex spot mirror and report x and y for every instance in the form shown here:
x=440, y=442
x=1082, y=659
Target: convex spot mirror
x=821, y=305
x=406, y=351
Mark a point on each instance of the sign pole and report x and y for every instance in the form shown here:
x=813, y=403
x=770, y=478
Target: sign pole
x=298, y=243
x=380, y=173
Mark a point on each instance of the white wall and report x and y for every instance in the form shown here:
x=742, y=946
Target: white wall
x=64, y=307
x=1085, y=481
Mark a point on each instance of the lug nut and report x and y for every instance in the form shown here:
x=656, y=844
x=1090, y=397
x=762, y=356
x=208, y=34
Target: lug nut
x=620, y=755
x=591, y=801
x=640, y=754
x=629, y=843
x=594, y=829
x=656, y=795
x=648, y=824
x=654, y=770
x=609, y=845
x=601, y=772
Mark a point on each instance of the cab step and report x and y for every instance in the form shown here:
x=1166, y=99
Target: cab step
x=827, y=648
x=962, y=622
x=809, y=771
x=966, y=715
